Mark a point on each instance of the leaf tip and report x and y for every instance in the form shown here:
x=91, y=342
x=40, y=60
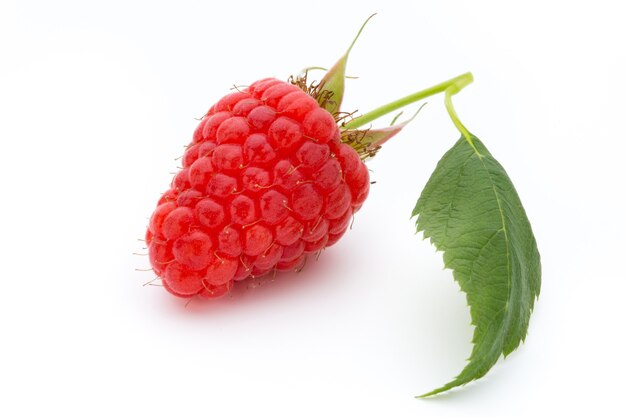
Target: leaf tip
x=434, y=392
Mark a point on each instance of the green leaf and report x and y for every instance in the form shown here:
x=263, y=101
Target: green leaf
x=470, y=210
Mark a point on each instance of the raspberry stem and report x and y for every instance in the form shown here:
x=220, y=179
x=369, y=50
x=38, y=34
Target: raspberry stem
x=455, y=119
x=450, y=87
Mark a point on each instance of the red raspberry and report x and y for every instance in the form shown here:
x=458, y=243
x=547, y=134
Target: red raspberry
x=266, y=180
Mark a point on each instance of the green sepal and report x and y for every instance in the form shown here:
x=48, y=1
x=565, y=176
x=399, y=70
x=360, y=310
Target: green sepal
x=367, y=141
x=332, y=86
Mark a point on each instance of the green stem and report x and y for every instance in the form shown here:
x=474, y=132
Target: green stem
x=451, y=87
x=455, y=119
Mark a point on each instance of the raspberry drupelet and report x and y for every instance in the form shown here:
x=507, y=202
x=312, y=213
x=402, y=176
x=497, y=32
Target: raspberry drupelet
x=265, y=181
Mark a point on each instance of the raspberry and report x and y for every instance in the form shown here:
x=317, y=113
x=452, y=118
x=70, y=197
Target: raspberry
x=265, y=181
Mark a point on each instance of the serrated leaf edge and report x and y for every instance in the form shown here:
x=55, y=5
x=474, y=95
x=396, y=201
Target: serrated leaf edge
x=419, y=228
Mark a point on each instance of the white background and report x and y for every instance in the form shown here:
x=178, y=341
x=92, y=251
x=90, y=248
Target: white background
x=97, y=98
